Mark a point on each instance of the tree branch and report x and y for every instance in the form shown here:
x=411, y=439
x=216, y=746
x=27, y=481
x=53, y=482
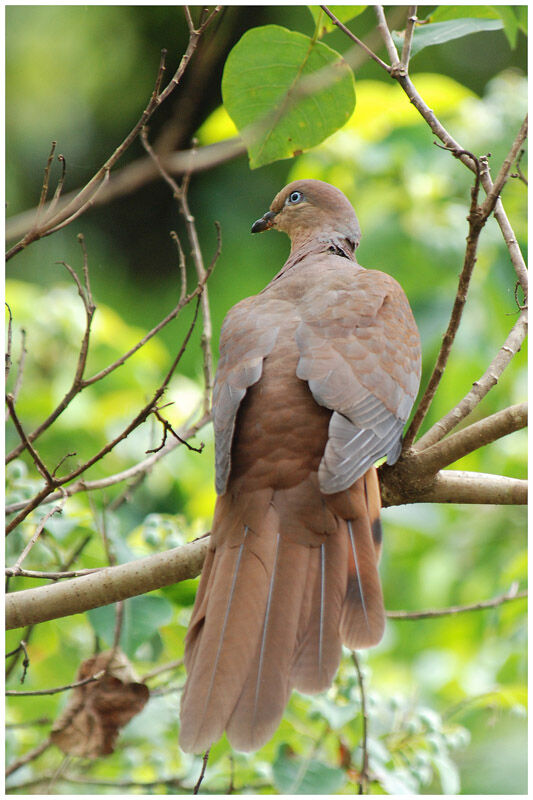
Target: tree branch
x=85, y=197
x=512, y=594
x=109, y=585
x=471, y=438
x=450, y=486
x=480, y=387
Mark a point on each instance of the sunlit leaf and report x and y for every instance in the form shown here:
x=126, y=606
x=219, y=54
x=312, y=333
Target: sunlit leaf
x=261, y=85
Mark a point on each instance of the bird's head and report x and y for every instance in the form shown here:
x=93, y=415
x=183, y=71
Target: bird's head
x=310, y=210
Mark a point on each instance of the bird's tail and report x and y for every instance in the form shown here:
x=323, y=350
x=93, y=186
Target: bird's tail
x=291, y=576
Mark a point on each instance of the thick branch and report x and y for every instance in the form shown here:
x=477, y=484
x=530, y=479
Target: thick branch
x=107, y=586
x=477, y=435
x=451, y=486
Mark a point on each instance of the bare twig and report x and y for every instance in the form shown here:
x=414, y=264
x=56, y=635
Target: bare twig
x=408, y=37
x=56, y=689
x=85, y=197
x=138, y=420
x=140, y=172
x=31, y=755
x=26, y=661
x=363, y=774
x=57, y=509
x=387, y=38
x=49, y=576
x=167, y=428
x=133, y=472
x=480, y=388
x=180, y=193
x=39, y=463
x=9, y=341
x=512, y=594
x=355, y=39
x=202, y=773
x=475, y=225
x=148, y=786
x=503, y=174
x=519, y=174
x=163, y=668
x=182, y=265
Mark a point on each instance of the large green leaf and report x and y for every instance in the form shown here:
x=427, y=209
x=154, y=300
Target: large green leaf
x=295, y=775
x=343, y=14
x=507, y=14
x=266, y=91
x=441, y=32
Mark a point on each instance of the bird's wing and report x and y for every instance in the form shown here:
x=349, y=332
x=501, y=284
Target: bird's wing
x=248, y=335
x=360, y=355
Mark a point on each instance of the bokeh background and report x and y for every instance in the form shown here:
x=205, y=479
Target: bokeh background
x=447, y=696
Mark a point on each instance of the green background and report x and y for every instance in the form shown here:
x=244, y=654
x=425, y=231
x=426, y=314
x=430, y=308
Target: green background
x=442, y=692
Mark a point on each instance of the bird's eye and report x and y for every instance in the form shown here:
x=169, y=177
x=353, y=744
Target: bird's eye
x=295, y=197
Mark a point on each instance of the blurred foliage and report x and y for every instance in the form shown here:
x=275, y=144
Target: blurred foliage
x=445, y=696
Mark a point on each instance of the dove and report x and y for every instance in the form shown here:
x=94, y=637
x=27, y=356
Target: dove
x=316, y=379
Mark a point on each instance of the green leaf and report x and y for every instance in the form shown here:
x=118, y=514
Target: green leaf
x=262, y=77
x=441, y=32
x=343, y=14
x=444, y=13
x=143, y=616
x=295, y=775
x=510, y=23
x=521, y=15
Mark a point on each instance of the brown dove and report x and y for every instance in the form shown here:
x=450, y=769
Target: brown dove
x=317, y=376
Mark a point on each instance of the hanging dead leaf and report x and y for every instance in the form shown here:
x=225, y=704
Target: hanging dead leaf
x=96, y=711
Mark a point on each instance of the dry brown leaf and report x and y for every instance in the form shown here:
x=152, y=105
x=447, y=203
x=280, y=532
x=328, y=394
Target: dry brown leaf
x=95, y=712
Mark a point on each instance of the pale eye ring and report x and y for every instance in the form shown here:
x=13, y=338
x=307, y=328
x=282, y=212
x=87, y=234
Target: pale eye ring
x=295, y=197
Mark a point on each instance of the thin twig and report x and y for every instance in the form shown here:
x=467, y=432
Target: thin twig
x=387, y=38
x=202, y=773
x=57, y=689
x=519, y=174
x=408, y=37
x=167, y=428
x=163, y=668
x=480, y=388
x=355, y=39
x=141, y=468
x=475, y=225
x=503, y=174
x=512, y=594
x=49, y=576
x=86, y=196
x=15, y=569
x=148, y=786
x=9, y=341
x=39, y=463
x=31, y=755
x=26, y=661
x=363, y=775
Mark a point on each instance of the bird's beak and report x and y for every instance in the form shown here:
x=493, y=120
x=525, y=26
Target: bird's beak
x=263, y=224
